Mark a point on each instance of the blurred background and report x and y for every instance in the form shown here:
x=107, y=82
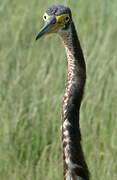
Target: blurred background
x=32, y=78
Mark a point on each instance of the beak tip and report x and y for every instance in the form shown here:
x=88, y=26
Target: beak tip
x=36, y=38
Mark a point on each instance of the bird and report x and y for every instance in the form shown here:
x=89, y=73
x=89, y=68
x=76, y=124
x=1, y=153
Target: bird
x=58, y=20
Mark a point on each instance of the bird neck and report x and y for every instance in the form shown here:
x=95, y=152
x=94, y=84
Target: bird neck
x=75, y=167
x=76, y=69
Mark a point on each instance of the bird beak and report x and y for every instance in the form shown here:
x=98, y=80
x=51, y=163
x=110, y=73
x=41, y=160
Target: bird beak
x=50, y=27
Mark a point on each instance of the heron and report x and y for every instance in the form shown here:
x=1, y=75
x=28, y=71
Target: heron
x=58, y=19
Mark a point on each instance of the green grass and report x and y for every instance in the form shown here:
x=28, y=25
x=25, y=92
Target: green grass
x=32, y=76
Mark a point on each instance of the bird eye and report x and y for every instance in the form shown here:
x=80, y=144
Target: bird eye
x=67, y=19
x=44, y=17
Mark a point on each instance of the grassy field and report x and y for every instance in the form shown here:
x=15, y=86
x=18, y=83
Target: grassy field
x=32, y=76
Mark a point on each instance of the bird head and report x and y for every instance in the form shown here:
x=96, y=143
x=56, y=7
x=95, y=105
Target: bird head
x=57, y=20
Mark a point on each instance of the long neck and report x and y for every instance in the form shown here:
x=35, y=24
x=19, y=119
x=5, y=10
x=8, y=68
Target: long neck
x=75, y=167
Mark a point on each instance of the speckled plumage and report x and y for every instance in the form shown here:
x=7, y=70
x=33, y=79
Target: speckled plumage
x=75, y=167
x=57, y=10
x=58, y=19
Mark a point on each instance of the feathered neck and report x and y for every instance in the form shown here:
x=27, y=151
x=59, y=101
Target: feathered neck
x=75, y=167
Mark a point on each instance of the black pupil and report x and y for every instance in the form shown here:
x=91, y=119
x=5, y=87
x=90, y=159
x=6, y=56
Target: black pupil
x=67, y=18
x=44, y=17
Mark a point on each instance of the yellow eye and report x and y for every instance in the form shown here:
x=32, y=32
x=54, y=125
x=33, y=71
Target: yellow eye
x=45, y=16
x=67, y=19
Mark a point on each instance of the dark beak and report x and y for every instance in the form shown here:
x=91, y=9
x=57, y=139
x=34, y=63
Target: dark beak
x=48, y=28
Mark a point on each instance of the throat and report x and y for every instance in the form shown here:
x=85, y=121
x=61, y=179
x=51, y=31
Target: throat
x=74, y=163
x=76, y=74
